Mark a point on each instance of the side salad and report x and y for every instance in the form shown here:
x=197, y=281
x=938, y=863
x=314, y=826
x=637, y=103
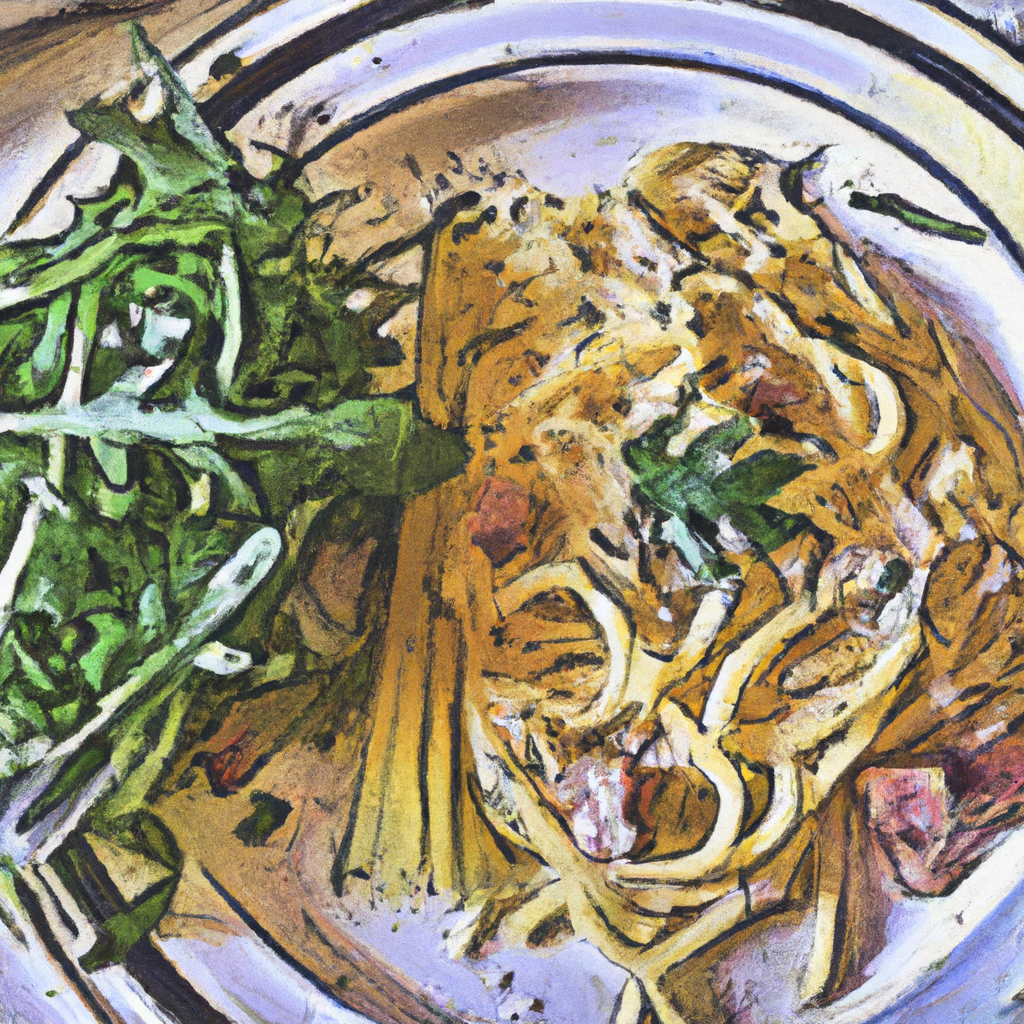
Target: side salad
x=177, y=378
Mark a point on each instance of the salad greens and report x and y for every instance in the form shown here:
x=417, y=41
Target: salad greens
x=177, y=377
x=694, y=492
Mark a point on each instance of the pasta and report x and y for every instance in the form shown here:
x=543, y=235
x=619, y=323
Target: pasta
x=733, y=562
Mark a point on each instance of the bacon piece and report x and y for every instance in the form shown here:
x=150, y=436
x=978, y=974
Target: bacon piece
x=499, y=519
x=907, y=810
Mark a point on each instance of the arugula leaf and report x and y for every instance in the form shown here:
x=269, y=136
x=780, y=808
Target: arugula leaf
x=694, y=491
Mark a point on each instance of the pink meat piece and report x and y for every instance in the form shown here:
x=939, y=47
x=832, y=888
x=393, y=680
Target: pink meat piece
x=499, y=518
x=908, y=812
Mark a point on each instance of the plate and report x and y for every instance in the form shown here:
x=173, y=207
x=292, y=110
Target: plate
x=571, y=96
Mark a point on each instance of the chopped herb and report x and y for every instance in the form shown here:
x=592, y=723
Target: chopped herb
x=791, y=180
x=269, y=815
x=890, y=205
x=895, y=576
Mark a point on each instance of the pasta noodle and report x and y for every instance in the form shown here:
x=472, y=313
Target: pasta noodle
x=739, y=528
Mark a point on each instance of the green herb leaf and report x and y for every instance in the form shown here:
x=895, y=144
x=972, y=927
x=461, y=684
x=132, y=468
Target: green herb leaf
x=888, y=204
x=269, y=814
x=697, y=489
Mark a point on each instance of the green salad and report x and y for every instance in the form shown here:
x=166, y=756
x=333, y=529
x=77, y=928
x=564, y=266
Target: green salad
x=178, y=380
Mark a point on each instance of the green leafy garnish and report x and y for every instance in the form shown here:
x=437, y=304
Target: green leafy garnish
x=177, y=378
x=696, y=490
x=895, y=576
x=791, y=180
x=888, y=204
